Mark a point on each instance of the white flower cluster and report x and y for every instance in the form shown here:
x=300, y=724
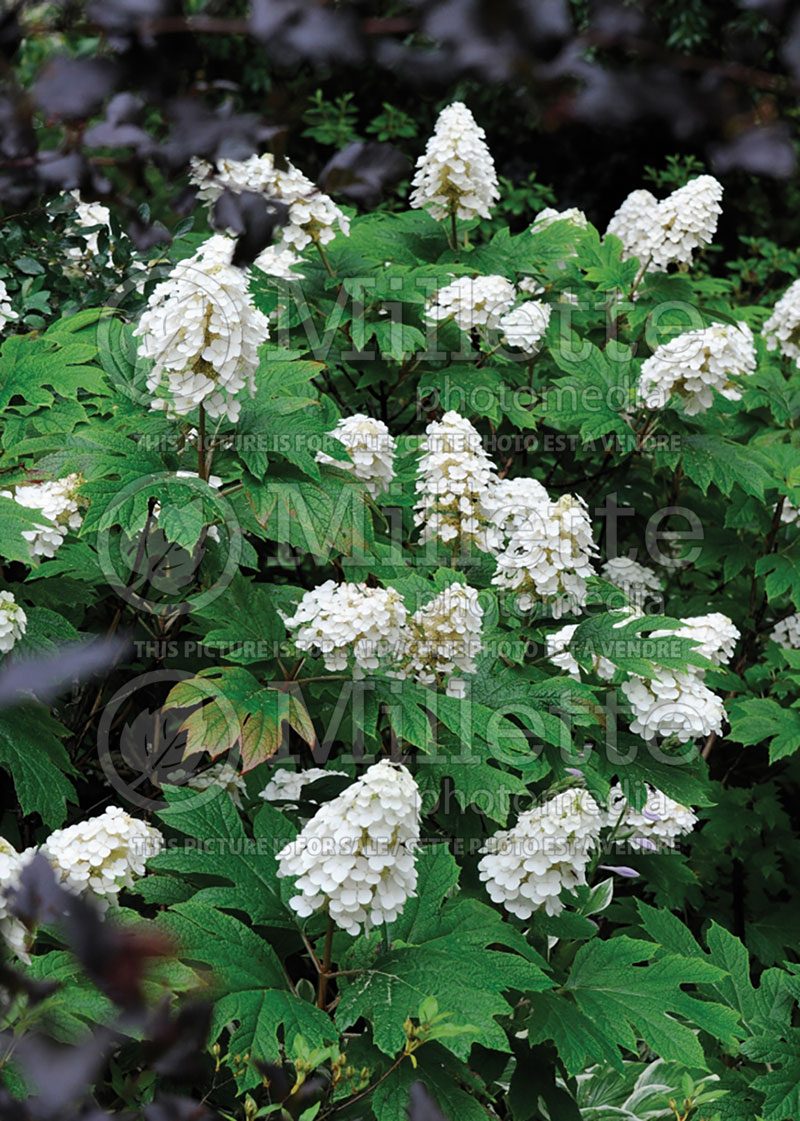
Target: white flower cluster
x=525, y=326
x=782, y=329
x=557, y=645
x=473, y=302
x=669, y=231
x=313, y=216
x=547, y=216
x=442, y=638
x=287, y=786
x=636, y=580
x=222, y=776
x=279, y=261
x=715, y=634
x=371, y=448
x=693, y=364
x=356, y=855
x=102, y=855
x=202, y=332
x=453, y=474
x=527, y=867
x=659, y=823
x=548, y=545
x=789, y=513
x=13, y=622
x=673, y=704
x=86, y=216
x=6, y=310
x=349, y=621
x=13, y=932
x=787, y=632
x=455, y=174
x=58, y=500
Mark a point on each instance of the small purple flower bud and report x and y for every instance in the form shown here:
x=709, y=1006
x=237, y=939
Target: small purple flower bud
x=621, y=870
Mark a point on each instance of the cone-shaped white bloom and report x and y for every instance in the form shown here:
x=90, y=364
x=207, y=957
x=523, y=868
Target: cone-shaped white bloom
x=59, y=501
x=715, y=633
x=782, y=329
x=673, y=704
x=202, y=331
x=525, y=326
x=473, y=302
x=659, y=823
x=453, y=474
x=13, y=622
x=456, y=172
x=357, y=854
x=287, y=786
x=371, y=447
x=526, y=868
x=787, y=632
x=102, y=855
x=442, y=639
x=548, y=545
x=693, y=364
x=349, y=621
x=6, y=310
x=312, y=215
x=636, y=580
x=668, y=232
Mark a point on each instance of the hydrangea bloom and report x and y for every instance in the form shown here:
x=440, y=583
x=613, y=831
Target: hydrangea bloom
x=442, y=639
x=59, y=501
x=787, y=632
x=636, y=580
x=202, y=332
x=525, y=326
x=547, y=216
x=12, y=931
x=87, y=215
x=13, y=622
x=782, y=329
x=349, y=621
x=548, y=550
x=452, y=476
x=102, y=855
x=668, y=232
x=287, y=786
x=277, y=260
x=673, y=704
x=223, y=776
x=715, y=634
x=557, y=645
x=313, y=216
x=659, y=823
x=6, y=310
x=693, y=364
x=371, y=447
x=526, y=868
x=356, y=855
x=455, y=174
x=473, y=302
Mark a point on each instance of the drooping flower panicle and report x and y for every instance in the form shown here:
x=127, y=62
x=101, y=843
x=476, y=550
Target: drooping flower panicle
x=692, y=365
x=371, y=447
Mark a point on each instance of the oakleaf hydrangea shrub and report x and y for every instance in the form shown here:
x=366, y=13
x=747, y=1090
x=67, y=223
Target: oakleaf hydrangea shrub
x=454, y=734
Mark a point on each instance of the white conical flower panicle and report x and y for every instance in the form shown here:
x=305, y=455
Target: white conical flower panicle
x=349, y=624
x=357, y=854
x=715, y=634
x=13, y=932
x=202, y=332
x=557, y=645
x=659, y=823
x=371, y=447
x=58, y=500
x=288, y=786
x=6, y=311
x=782, y=329
x=787, y=632
x=13, y=622
x=548, y=547
x=673, y=704
x=443, y=639
x=693, y=364
x=313, y=216
x=279, y=261
x=473, y=303
x=637, y=581
x=455, y=174
x=668, y=232
x=102, y=855
x=525, y=326
x=526, y=868
x=453, y=474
